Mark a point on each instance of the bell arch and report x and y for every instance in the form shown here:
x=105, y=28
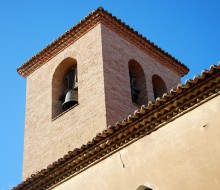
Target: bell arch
x=137, y=83
x=64, y=86
x=159, y=86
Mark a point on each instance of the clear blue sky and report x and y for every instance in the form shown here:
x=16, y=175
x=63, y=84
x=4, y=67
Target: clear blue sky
x=189, y=30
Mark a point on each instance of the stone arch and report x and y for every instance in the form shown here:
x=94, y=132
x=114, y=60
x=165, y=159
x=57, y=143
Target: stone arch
x=137, y=83
x=159, y=86
x=59, y=85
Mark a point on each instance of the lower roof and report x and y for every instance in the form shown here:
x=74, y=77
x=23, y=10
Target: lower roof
x=143, y=122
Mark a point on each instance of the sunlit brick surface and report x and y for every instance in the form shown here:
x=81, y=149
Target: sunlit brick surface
x=104, y=95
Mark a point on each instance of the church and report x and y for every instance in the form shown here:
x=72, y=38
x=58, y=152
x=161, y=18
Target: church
x=105, y=110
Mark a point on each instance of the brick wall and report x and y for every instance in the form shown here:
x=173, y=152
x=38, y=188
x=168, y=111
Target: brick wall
x=117, y=52
x=47, y=140
x=102, y=59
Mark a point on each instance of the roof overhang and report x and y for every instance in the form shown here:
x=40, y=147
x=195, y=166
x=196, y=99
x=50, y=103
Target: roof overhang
x=101, y=16
x=143, y=122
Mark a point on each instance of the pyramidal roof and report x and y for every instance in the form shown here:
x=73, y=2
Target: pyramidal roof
x=85, y=25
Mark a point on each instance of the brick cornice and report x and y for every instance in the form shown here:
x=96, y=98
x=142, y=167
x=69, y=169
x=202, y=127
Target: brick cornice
x=89, y=22
x=145, y=121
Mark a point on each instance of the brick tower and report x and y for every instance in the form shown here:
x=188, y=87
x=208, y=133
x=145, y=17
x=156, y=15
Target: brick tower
x=116, y=70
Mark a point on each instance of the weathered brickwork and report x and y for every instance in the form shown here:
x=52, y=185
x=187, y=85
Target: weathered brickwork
x=117, y=52
x=102, y=59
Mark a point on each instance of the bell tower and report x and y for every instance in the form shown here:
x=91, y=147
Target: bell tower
x=95, y=74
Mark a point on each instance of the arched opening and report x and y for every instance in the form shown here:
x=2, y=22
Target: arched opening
x=137, y=83
x=64, y=86
x=142, y=187
x=159, y=86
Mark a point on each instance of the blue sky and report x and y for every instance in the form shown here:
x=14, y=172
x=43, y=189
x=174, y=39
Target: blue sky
x=188, y=29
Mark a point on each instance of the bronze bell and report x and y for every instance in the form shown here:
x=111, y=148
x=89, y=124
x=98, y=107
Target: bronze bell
x=70, y=100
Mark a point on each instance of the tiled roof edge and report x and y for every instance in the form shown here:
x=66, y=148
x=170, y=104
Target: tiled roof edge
x=144, y=121
x=81, y=28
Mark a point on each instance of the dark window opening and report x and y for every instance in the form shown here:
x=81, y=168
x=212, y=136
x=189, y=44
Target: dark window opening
x=137, y=83
x=159, y=86
x=64, y=87
x=142, y=187
x=134, y=91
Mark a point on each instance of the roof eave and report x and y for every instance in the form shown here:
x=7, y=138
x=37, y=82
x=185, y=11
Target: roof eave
x=99, y=16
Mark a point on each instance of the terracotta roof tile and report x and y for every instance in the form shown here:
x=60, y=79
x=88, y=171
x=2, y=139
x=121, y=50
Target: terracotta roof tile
x=135, y=126
x=97, y=16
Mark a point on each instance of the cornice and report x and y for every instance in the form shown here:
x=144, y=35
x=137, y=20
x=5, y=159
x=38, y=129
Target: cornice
x=143, y=122
x=101, y=16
